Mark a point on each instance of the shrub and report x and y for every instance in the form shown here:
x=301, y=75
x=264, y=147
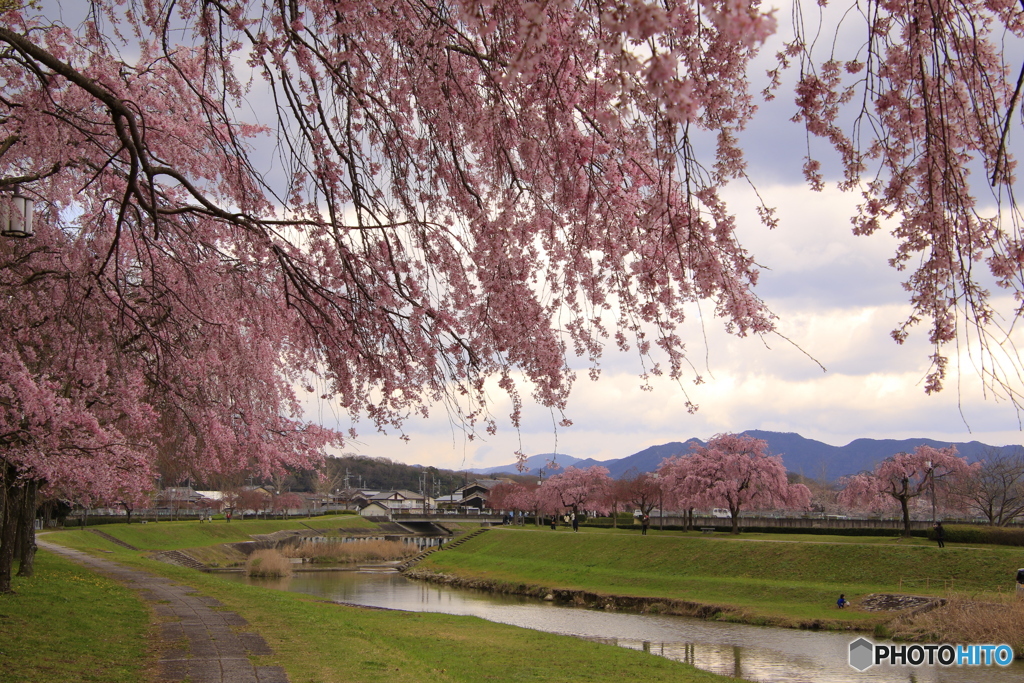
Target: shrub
x=963, y=533
x=268, y=564
x=962, y=620
x=353, y=551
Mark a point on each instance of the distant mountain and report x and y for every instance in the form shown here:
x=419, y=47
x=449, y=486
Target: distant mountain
x=646, y=460
x=534, y=464
x=811, y=458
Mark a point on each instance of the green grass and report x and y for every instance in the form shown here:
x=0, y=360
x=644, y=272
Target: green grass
x=324, y=643
x=318, y=642
x=193, y=534
x=764, y=578
x=66, y=623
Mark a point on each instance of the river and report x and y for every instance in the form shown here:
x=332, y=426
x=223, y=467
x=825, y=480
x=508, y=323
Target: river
x=756, y=653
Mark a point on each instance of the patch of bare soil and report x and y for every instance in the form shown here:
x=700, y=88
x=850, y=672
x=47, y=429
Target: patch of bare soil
x=894, y=602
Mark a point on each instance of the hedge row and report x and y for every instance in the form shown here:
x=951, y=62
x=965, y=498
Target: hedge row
x=995, y=535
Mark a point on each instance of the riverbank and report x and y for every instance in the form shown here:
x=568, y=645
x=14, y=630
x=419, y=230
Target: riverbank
x=312, y=640
x=752, y=579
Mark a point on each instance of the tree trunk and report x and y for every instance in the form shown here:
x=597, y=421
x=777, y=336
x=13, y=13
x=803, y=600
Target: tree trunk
x=9, y=526
x=906, y=517
x=27, y=531
x=47, y=514
x=735, y=521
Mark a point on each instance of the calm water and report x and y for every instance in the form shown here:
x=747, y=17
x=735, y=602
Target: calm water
x=752, y=652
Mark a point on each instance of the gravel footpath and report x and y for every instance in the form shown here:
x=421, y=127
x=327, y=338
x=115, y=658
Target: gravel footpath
x=196, y=642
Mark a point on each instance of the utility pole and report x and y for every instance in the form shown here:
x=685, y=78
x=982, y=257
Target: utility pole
x=423, y=490
x=931, y=476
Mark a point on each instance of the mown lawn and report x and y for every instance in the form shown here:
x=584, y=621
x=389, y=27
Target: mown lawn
x=193, y=534
x=772, y=579
x=66, y=623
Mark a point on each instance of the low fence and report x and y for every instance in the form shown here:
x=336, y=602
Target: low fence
x=700, y=521
x=107, y=516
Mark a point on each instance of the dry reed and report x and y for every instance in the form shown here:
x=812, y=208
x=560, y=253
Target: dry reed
x=353, y=551
x=268, y=564
x=962, y=620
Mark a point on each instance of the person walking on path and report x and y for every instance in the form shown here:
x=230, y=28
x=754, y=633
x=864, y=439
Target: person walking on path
x=940, y=534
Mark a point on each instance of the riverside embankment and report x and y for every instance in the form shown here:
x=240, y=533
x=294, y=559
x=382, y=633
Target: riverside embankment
x=754, y=578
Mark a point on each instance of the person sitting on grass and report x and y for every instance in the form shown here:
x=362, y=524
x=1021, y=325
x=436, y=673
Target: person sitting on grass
x=842, y=601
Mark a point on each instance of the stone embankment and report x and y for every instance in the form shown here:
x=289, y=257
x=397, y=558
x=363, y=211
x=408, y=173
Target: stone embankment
x=905, y=604
x=578, y=598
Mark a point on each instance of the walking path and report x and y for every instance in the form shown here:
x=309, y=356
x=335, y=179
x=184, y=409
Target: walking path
x=197, y=643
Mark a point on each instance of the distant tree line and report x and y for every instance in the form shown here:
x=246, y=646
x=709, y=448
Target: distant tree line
x=362, y=471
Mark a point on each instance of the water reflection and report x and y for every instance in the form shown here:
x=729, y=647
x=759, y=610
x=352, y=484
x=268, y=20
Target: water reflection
x=755, y=653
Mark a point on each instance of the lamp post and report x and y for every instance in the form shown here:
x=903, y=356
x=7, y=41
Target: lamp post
x=931, y=481
x=16, y=217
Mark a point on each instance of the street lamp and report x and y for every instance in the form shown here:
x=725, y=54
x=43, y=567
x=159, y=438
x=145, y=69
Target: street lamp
x=931, y=477
x=16, y=217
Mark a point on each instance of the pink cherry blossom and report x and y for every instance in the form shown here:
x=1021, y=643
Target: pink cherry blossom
x=458, y=191
x=735, y=472
x=899, y=479
x=575, y=490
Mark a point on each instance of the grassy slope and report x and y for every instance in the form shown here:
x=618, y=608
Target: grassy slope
x=770, y=580
x=192, y=534
x=316, y=642
x=68, y=624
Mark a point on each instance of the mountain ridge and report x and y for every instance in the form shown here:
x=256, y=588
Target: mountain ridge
x=809, y=457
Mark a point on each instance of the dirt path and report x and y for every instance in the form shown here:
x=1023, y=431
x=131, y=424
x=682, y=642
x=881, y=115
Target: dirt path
x=197, y=643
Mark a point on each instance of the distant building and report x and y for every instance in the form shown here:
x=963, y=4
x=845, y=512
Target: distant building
x=403, y=499
x=211, y=500
x=178, y=498
x=448, y=502
x=475, y=495
x=375, y=510
x=351, y=498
